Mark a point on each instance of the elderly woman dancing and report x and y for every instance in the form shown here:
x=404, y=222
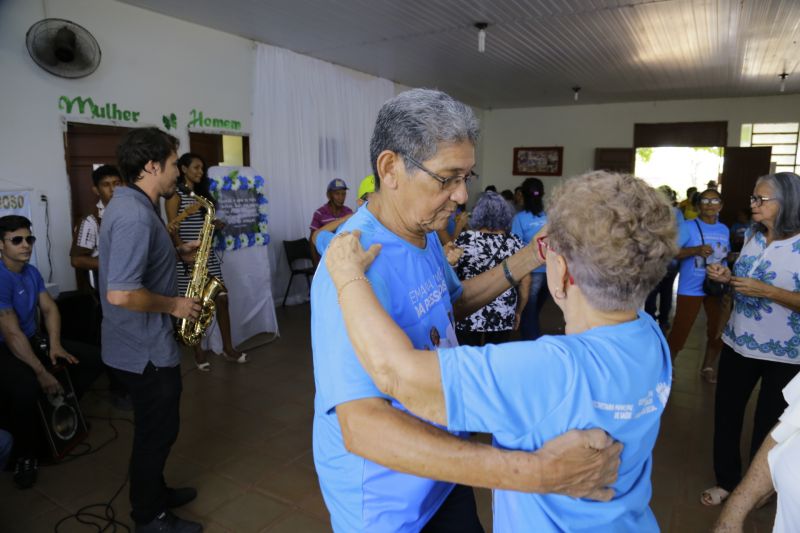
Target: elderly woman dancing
x=485, y=245
x=762, y=337
x=608, y=241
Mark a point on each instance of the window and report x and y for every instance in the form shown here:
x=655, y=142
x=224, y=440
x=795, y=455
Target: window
x=784, y=138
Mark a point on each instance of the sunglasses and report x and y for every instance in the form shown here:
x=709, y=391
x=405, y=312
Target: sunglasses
x=17, y=240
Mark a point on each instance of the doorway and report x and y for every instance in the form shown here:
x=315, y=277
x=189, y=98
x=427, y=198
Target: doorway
x=86, y=147
x=220, y=149
x=680, y=167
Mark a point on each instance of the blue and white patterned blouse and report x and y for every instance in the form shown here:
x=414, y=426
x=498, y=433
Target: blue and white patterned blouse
x=758, y=327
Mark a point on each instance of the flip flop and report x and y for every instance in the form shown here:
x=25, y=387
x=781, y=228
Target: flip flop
x=203, y=367
x=708, y=375
x=714, y=496
x=241, y=359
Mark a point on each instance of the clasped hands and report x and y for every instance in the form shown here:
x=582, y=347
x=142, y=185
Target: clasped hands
x=742, y=285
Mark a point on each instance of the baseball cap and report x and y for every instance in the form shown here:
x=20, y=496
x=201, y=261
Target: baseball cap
x=366, y=186
x=337, y=185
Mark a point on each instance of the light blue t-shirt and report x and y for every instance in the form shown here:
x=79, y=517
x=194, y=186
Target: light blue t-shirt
x=616, y=378
x=693, y=269
x=525, y=225
x=323, y=240
x=416, y=287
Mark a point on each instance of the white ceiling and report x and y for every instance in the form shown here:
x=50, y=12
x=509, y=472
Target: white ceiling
x=536, y=50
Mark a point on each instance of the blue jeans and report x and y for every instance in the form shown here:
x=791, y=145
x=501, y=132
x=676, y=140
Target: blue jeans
x=529, y=322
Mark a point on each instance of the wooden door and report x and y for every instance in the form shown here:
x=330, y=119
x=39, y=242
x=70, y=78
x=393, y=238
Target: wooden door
x=615, y=159
x=209, y=147
x=85, y=146
x=740, y=170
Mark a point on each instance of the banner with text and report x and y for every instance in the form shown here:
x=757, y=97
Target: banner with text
x=241, y=205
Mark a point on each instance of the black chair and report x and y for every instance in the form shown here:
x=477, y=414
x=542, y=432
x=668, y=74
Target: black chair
x=296, y=251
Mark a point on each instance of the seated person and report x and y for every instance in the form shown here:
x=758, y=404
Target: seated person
x=611, y=370
x=22, y=374
x=84, y=254
x=331, y=211
x=321, y=238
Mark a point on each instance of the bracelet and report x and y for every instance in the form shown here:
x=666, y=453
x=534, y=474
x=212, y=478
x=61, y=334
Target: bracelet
x=348, y=282
x=508, y=275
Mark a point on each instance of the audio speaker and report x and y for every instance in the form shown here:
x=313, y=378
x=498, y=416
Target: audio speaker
x=63, y=421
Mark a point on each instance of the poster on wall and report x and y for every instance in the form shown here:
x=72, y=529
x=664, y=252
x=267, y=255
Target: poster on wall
x=542, y=161
x=242, y=205
x=18, y=203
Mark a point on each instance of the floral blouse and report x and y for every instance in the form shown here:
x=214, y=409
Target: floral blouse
x=758, y=327
x=482, y=251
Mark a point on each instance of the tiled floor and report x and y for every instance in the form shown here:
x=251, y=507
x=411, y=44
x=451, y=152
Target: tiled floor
x=245, y=443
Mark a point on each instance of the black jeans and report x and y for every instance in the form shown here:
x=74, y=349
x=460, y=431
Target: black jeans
x=155, y=395
x=481, y=338
x=737, y=378
x=662, y=292
x=457, y=514
x=20, y=391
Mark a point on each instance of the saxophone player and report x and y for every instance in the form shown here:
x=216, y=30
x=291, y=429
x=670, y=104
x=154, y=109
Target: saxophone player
x=139, y=296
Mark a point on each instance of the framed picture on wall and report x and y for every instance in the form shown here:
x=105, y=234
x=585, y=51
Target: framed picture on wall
x=542, y=161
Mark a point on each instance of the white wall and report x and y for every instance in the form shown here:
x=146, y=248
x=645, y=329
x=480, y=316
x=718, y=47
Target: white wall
x=582, y=128
x=150, y=63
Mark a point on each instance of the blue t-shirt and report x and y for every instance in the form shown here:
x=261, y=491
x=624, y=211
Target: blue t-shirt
x=21, y=293
x=693, y=269
x=616, y=378
x=416, y=287
x=525, y=225
x=323, y=240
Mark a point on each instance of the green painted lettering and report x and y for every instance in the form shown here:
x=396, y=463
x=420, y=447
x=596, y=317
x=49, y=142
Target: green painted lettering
x=135, y=115
x=66, y=104
x=126, y=115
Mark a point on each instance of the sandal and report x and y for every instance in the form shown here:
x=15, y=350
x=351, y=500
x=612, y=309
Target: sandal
x=241, y=359
x=714, y=496
x=203, y=367
x=708, y=375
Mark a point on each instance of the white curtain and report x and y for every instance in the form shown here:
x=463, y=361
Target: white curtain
x=312, y=122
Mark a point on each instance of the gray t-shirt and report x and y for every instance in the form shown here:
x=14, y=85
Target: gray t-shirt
x=136, y=252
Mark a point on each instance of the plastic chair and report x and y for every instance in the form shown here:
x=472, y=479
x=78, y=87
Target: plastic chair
x=295, y=251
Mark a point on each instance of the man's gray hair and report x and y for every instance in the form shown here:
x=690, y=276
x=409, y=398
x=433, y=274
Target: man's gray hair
x=786, y=191
x=415, y=122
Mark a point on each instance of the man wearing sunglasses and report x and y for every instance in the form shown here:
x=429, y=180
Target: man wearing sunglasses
x=22, y=374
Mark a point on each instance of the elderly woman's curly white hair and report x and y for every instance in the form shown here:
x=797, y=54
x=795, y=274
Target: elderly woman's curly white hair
x=617, y=234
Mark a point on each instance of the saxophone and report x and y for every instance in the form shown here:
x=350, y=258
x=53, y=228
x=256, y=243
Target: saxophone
x=201, y=286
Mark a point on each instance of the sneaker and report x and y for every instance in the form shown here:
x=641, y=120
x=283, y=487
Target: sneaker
x=180, y=496
x=166, y=522
x=26, y=471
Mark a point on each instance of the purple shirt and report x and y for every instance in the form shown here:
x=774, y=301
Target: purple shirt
x=324, y=215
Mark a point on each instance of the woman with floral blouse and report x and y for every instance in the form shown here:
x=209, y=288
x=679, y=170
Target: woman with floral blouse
x=762, y=337
x=485, y=245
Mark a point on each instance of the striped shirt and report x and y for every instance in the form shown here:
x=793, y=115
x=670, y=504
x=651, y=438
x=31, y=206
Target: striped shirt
x=189, y=230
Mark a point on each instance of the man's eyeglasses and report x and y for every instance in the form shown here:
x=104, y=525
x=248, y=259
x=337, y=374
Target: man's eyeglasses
x=450, y=183
x=17, y=240
x=710, y=201
x=758, y=200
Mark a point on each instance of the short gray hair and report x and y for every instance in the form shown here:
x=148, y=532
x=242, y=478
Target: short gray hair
x=492, y=212
x=786, y=190
x=415, y=122
x=617, y=234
